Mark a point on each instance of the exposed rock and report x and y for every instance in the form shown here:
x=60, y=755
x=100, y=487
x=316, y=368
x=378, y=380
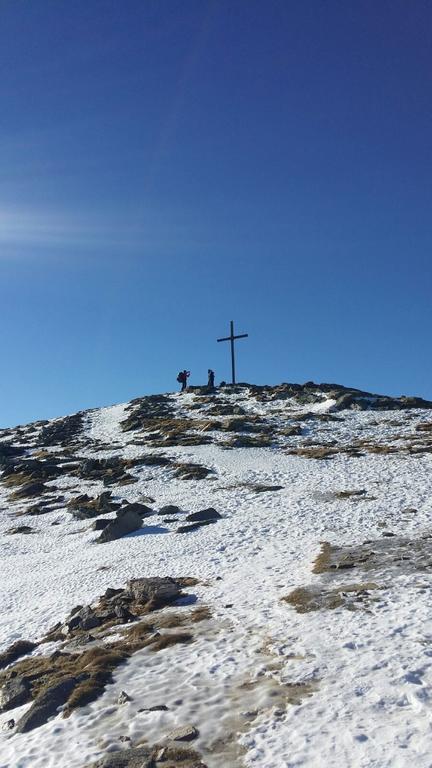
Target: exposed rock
x=14, y=693
x=137, y=757
x=194, y=526
x=111, y=470
x=170, y=509
x=424, y=427
x=8, y=451
x=123, y=698
x=154, y=460
x=27, y=470
x=85, y=618
x=21, y=529
x=141, y=509
x=101, y=523
x=191, y=471
x=61, y=431
x=78, y=642
x=349, y=494
x=261, y=488
x=126, y=522
x=293, y=431
x=46, y=705
x=15, y=651
x=176, y=755
x=85, y=508
x=155, y=708
x=184, y=733
x=204, y=515
x=248, y=441
x=157, y=590
x=29, y=490
x=38, y=509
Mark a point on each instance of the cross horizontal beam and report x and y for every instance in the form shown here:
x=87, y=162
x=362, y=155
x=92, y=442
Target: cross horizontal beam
x=229, y=338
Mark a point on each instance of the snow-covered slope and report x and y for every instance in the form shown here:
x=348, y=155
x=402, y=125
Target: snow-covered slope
x=299, y=661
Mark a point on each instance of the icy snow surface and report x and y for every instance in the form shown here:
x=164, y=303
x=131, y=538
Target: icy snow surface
x=368, y=673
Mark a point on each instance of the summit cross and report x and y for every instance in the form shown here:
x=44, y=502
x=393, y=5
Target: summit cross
x=232, y=339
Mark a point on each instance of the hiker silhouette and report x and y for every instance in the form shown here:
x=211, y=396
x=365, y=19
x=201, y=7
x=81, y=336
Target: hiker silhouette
x=182, y=379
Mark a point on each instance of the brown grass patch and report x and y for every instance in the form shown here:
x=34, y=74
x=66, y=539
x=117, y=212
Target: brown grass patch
x=307, y=599
x=323, y=561
x=93, y=664
x=160, y=642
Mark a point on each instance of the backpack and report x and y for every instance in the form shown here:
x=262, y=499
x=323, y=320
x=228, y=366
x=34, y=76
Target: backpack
x=180, y=378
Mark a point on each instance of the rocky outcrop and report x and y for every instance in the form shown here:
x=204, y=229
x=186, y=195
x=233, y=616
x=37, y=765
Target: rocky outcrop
x=46, y=705
x=85, y=508
x=14, y=693
x=29, y=491
x=157, y=590
x=112, y=470
x=77, y=672
x=9, y=451
x=61, y=431
x=15, y=651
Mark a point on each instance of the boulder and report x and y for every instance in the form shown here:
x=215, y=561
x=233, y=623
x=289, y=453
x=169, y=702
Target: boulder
x=126, y=522
x=46, y=705
x=204, y=515
x=14, y=693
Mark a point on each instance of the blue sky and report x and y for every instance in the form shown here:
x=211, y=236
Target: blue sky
x=167, y=166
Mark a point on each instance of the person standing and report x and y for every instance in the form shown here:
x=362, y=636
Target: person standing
x=182, y=379
x=211, y=378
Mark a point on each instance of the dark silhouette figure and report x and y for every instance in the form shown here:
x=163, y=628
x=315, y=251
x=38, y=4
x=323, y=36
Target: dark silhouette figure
x=211, y=378
x=182, y=379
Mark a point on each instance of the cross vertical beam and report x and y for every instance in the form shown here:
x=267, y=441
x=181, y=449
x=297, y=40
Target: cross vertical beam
x=232, y=338
x=232, y=351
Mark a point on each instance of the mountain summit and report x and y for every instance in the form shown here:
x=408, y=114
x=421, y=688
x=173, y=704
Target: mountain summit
x=218, y=578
